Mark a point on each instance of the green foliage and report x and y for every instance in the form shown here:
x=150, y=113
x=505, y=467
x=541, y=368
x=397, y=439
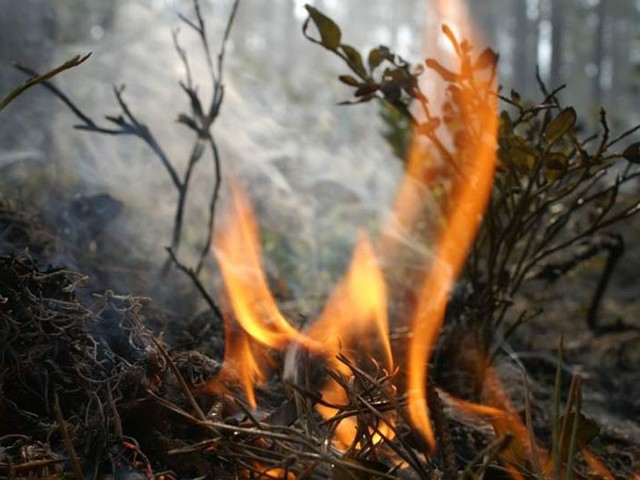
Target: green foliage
x=560, y=125
x=329, y=32
x=396, y=130
x=555, y=196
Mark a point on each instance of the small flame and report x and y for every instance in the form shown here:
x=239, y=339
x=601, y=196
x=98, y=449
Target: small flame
x=239, y=255
x=357, y=305
x=354, y=320
x=261, y=323
x=523, y=447
x=266, y=473
x=355, y=317
x=240, y=365
x=598, y=467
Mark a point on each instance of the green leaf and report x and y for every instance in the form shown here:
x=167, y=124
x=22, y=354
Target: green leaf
x=355, y=59
x=376, y=57
x=329, y=31
x=349, y=80
x=505, y=127
x=632, y=153
x=367, y=89
x=519, y=153
x=555, y=166
x=560, y=125
x=397, y=130
x=364, y=99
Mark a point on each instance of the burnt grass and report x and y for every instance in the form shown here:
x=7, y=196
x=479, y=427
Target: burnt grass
x=100, y=383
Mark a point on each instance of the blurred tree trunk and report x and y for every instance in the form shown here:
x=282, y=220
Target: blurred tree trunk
x=559, y=10
x=525, y=50
x=622, y=23
x=599, y=53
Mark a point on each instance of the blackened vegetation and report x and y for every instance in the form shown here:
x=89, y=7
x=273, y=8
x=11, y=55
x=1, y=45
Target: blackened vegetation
x=90, y=389
x=22, y=228
x=82, y=378
x=50, y=348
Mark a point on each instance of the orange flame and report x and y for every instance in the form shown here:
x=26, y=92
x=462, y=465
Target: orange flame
x=240, y=365
x=265, y=473
x=357, y=310
x=467, y=201
x=239, y=256
x=238, y=251
x=358, y=302
x=598, y=467
x=354, y=322
x=355, y=315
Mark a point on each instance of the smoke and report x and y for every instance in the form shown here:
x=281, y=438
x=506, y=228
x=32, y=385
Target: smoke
x=316, y=172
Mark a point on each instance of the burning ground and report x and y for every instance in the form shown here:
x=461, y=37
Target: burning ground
x=88, y=385
x=425, y=359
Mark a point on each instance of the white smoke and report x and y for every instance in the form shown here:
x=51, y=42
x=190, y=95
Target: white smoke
x=316, y=172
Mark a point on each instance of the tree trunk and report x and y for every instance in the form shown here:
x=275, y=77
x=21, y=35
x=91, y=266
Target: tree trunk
x=598, y=53
x=558, y=27
x=524, y=50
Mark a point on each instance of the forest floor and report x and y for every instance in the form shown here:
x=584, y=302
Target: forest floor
x=90, y=359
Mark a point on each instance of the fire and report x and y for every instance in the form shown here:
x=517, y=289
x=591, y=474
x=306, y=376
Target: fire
x=355, y=314
x=239, y=256
x=358, y=303
x=466, y=202
x=261, y=323
x=354, y=323
x=272, y=473
x=241, y=364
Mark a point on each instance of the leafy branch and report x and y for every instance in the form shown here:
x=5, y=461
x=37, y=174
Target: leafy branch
x=555, y=196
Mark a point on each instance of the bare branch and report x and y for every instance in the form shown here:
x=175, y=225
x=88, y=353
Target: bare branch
x=194, y=278
x=39, y=79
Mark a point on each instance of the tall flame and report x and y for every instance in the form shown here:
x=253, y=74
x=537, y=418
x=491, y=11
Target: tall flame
x=356, y=312
x=470, y=201
x=466, y=202
x=358, y=303
x=238, y=252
